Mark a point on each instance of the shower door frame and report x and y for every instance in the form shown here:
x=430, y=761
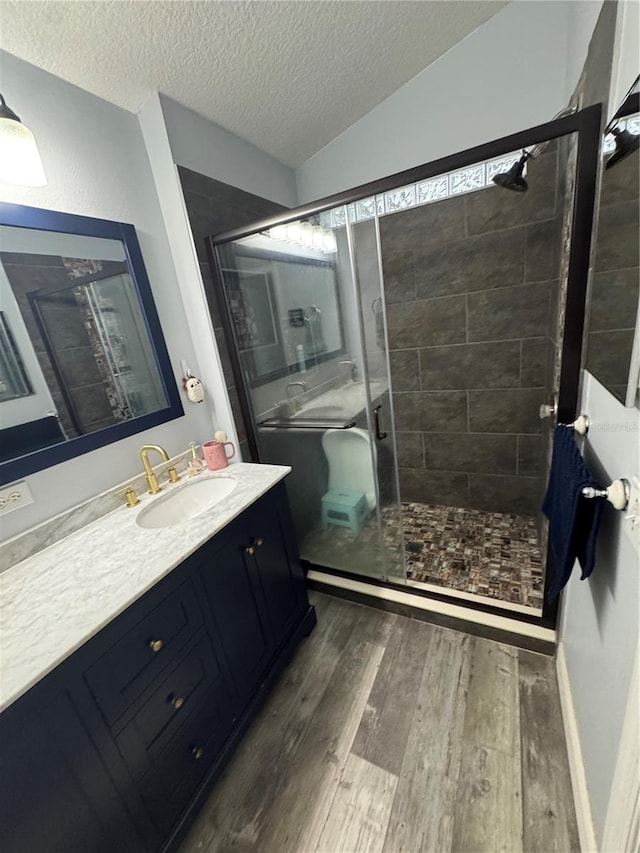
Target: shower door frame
x=587, y=124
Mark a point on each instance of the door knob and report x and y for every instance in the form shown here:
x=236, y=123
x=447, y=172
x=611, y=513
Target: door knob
x=547, y=410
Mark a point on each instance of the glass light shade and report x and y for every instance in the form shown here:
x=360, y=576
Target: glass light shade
x=318, y=237
x=306, y=235
x=278, y=232
x=294, y=234
x=330, y=243
x=20, y=161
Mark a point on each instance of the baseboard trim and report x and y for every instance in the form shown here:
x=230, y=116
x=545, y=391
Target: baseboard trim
x=492, y=626
x=576, y=764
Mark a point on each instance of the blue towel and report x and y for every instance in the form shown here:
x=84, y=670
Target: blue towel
x=573, y=519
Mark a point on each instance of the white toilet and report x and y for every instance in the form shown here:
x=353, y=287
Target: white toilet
x=348, y=453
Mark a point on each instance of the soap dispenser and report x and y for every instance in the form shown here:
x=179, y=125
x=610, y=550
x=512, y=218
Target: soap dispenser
x=196, y=465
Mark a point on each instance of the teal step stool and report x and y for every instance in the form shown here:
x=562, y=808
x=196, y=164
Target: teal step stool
x=344, y=509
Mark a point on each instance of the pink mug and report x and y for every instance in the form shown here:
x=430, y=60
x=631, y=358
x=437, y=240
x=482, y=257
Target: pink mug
x=215, y=454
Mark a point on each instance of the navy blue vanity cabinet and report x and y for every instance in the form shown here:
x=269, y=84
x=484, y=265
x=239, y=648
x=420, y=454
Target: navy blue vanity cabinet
x=273, y=551
x=118, y=747
x=56, y=795
x=236, y=609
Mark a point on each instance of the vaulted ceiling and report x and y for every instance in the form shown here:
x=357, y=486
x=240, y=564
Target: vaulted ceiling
x=287, y=76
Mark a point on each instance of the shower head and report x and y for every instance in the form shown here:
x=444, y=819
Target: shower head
x=513, y=180
x=626, y=144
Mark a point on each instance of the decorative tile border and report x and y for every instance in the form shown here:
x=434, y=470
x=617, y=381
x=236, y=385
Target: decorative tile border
x=475, y=177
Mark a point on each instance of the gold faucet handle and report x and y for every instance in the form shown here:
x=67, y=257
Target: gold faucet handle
x=173, y=474
x=129, y=491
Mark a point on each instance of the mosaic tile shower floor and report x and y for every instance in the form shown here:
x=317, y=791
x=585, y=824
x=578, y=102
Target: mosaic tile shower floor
x=495, y=555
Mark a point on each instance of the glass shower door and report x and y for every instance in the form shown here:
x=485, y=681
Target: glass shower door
x=313, y=374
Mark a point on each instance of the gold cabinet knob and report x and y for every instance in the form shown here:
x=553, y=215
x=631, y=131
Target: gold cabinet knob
x=156, y=645
x=259, y=541
x=250, y=549
x=176, y=702
x=197, y=752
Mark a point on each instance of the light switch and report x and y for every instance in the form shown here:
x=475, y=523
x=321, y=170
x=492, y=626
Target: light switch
x=14, y=497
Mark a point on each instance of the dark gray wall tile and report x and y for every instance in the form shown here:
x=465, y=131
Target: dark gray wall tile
x=446, y=488
x=614, y=300
x=509, y=411
x=405, y=370
x=400, y=286
x=92, y=404
x=470, y=453
x=475, y=263
x=426, y=322
x=621, y=183
x=617, y=237
x=421, y=226
x=542, y=255
x=531, y=455
x=610, y=356
x=494, y=209
x=431, y=411
x=490, y=365
x=510, y=312
x=78, y=367
x=517, y=495
x=410, y=452
x=534, y=362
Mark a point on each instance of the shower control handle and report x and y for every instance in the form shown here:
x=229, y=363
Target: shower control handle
x=380, y=434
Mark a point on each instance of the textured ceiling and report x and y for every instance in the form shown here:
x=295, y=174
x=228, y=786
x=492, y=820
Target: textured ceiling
x=287, y=76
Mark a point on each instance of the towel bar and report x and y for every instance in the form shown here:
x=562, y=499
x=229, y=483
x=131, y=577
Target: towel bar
x=580, y=425
x=618, y=493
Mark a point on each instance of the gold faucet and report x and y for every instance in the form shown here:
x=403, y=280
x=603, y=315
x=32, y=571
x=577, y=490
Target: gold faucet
x=154, y=488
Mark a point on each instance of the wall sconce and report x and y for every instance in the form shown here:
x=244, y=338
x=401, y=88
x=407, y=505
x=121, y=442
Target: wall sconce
x=20, y=161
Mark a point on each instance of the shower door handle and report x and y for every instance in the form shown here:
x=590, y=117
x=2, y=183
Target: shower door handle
x=380, y=434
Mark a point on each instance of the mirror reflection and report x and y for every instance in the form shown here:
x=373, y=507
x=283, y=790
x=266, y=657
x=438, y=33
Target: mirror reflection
x=284, y=306
x=616, y=289
x=75, y=352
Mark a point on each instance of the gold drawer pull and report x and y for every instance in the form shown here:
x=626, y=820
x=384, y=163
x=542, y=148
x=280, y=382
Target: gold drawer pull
x=156, y=645
x=250, y=549
x=197, y=752
x=176, y=702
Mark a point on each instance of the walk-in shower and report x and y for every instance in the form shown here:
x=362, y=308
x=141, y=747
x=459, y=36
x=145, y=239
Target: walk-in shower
x=394, y=348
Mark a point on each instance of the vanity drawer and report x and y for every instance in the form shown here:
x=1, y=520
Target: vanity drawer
x=169, y=785
x=160, y=717
x=122, y=674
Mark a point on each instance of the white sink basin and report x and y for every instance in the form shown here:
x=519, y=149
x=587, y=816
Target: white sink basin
x=186, y=502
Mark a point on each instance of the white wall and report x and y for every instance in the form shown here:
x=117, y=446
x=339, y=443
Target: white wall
x=600, y=622
x=599, y=629
x=515, y=71
x=97, y=165
x=205, y=147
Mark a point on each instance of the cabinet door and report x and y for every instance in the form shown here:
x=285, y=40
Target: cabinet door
x=56, y=795
x=275, y=554
x=235, y=610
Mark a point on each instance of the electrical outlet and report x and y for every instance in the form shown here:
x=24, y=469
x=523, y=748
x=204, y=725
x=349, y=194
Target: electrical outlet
x=632, y=514
x=14, y=497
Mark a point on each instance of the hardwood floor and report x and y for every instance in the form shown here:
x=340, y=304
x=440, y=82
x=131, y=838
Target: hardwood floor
x=390, y=735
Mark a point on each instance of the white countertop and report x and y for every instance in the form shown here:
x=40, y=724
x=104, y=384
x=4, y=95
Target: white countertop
x=54, y=601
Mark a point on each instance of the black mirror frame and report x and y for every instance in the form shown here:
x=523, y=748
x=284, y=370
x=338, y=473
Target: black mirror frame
x=21, y=216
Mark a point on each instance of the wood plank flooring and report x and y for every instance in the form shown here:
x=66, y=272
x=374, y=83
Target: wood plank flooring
x=390, y=735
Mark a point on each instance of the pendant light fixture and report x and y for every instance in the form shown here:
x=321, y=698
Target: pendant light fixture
x=20, y=161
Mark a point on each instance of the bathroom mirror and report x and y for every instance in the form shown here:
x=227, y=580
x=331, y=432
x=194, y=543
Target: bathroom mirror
x=83, y=361
x=613, y=351
x=284, y=307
